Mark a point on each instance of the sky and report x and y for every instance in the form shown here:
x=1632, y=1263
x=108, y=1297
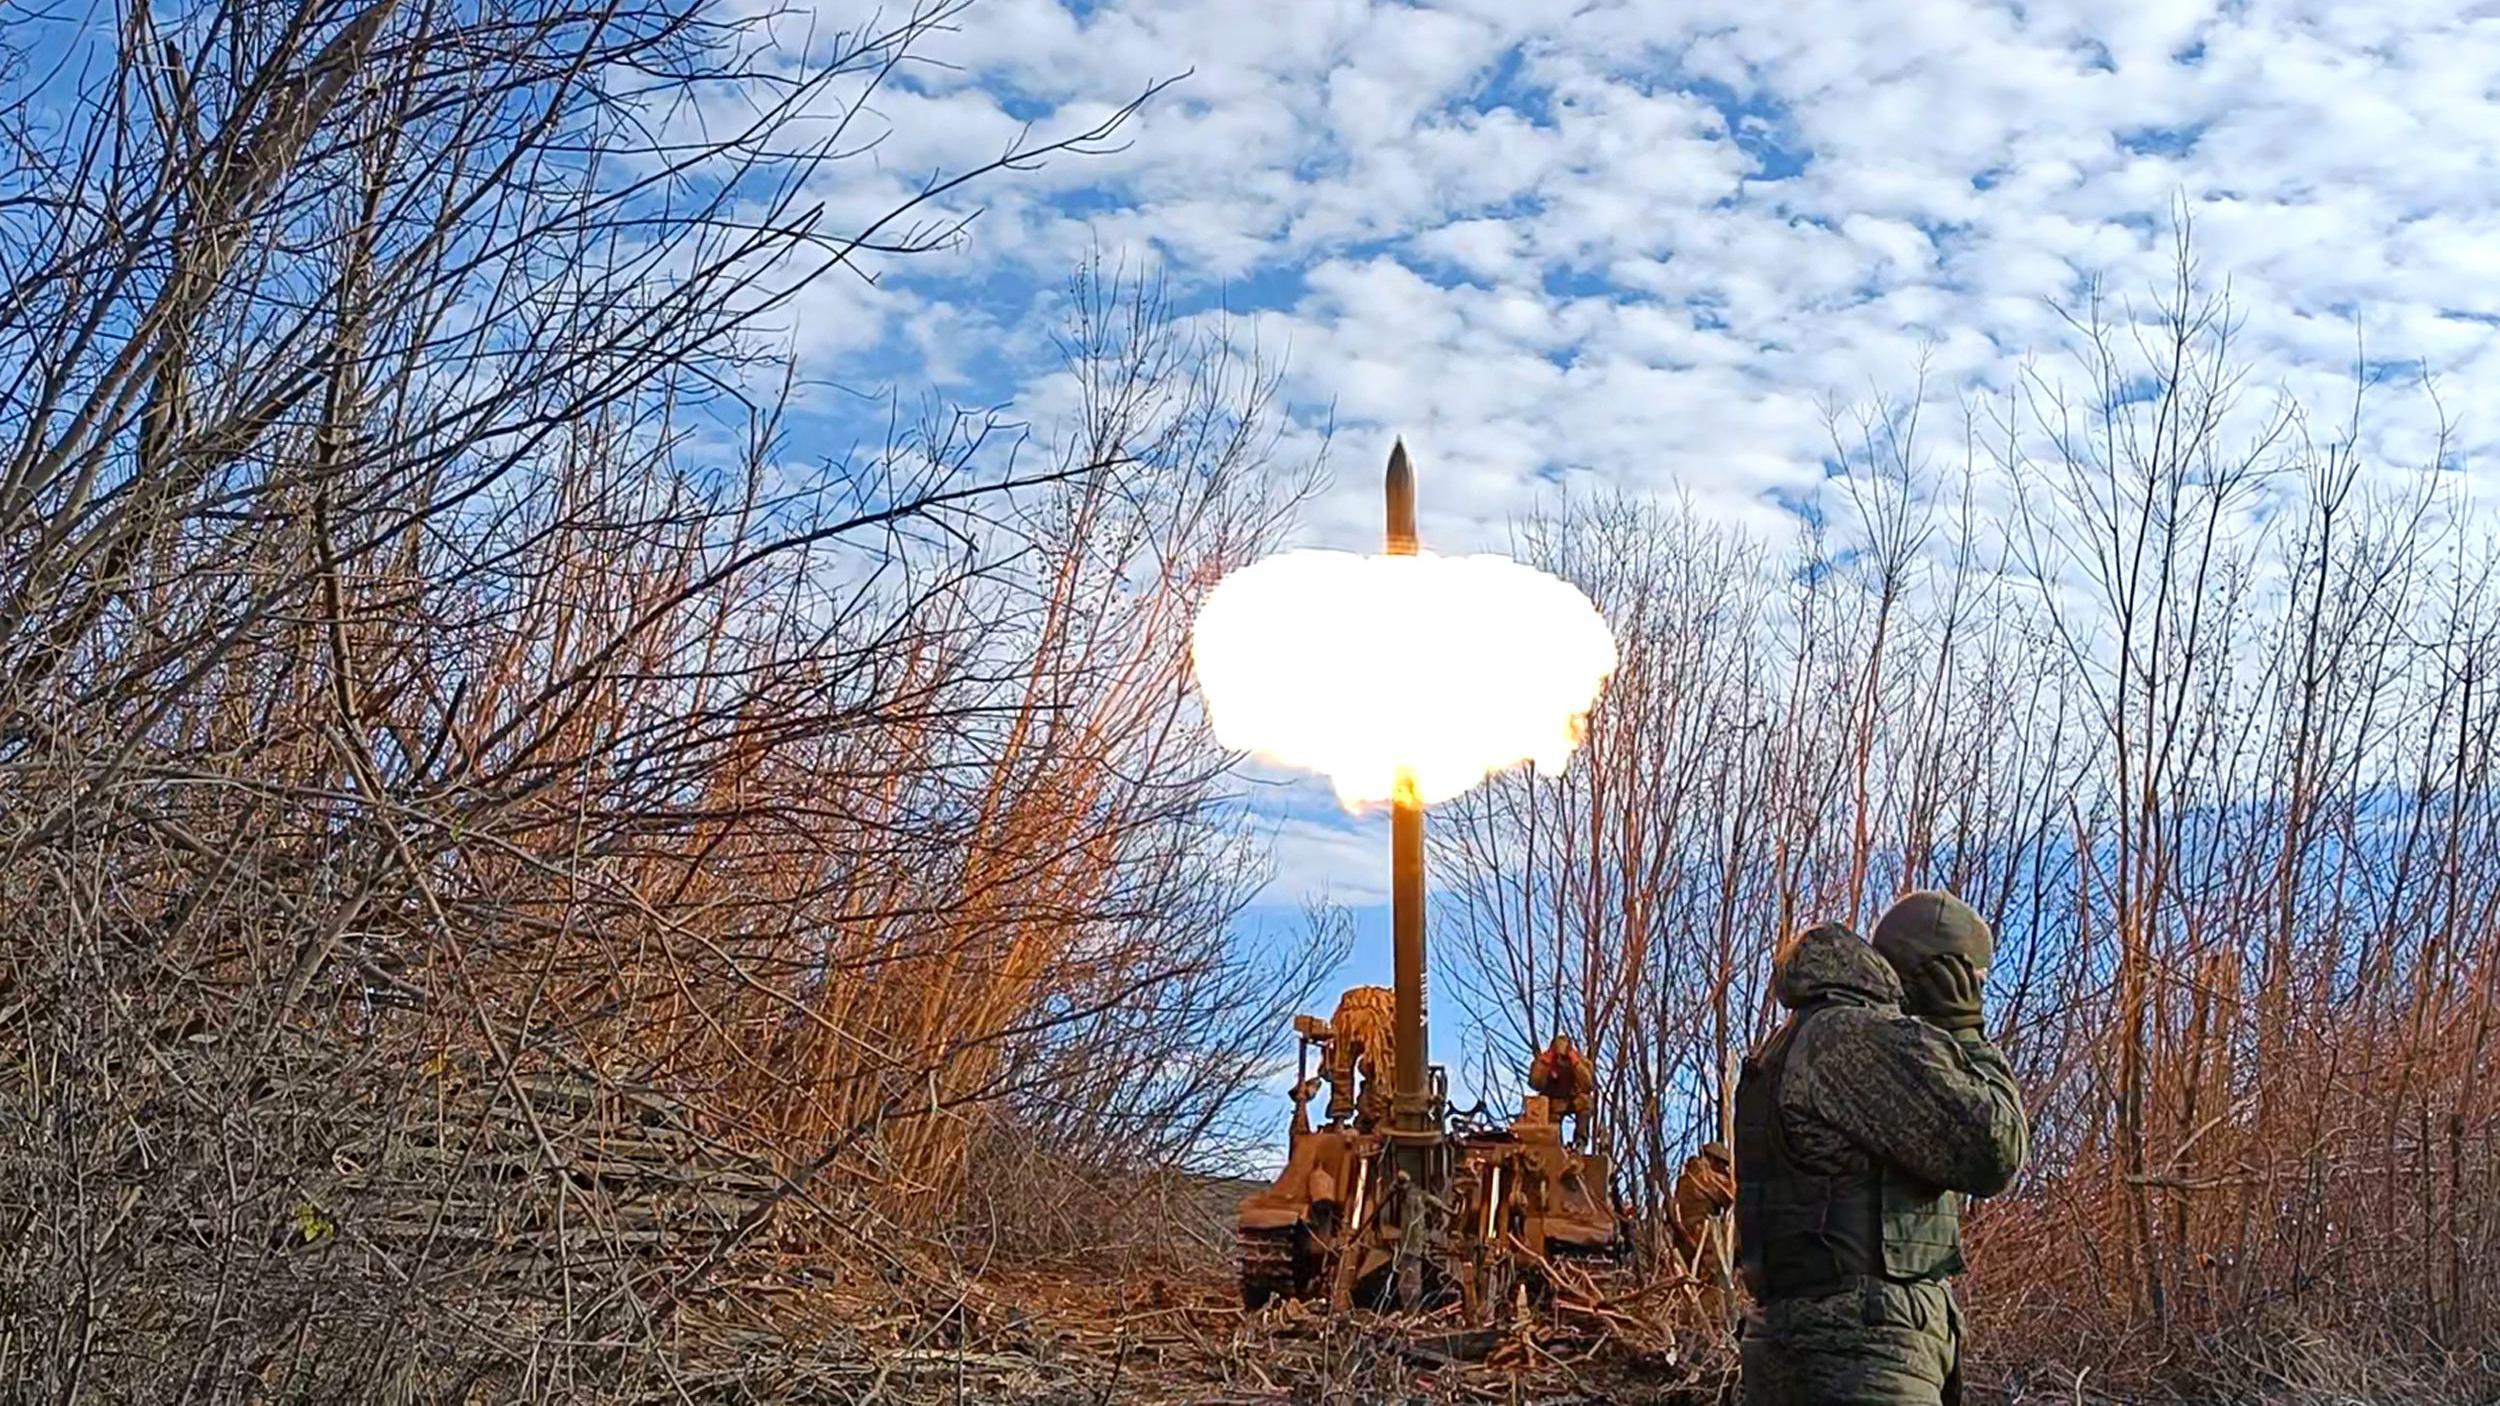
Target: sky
x=1644, y=243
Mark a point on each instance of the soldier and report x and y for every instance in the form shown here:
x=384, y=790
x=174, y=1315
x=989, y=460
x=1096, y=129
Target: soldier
x=1697, y=1222
x=1856, y=1126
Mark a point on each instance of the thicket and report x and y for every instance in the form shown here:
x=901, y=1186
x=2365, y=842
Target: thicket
x=504, y=846
x=2191, y=692
x=499, y=835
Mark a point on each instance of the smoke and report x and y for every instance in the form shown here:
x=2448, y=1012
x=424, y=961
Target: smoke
x=1363, y=669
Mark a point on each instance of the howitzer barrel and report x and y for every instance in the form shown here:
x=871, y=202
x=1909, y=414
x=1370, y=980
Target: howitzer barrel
x=1406, y=864
x=1385, y=1203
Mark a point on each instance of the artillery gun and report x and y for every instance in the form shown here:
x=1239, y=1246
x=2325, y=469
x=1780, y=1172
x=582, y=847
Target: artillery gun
x=1393, y=1199
x=1497, y=1204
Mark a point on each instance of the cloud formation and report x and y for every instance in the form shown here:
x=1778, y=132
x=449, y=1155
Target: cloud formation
x=1644, y=243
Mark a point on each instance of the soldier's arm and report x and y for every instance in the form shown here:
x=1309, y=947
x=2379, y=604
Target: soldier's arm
x=1943, y=1108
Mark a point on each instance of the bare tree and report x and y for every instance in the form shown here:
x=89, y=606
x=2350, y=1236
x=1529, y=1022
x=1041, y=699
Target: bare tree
x=491, y=839
x=2186, y=696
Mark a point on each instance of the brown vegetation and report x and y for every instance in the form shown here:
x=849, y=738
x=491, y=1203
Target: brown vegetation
x=517, y=882
x=493, y=838
x=2193, y=699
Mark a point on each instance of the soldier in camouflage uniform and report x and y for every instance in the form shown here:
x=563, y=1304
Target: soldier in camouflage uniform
x=1859, y=1125
x=1698, y=1223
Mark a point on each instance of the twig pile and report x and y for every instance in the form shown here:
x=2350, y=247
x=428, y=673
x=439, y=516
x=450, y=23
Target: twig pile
x=922, y=1334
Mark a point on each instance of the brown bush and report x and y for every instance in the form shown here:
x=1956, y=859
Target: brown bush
x=496, y=841
x=2191, y=698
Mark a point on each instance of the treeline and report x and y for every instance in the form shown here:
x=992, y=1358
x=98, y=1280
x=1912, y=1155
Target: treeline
x=2191, y=695
x=497, y=829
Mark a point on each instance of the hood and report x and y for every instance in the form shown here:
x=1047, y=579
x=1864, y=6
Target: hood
x=1830, y=962
x=1932, y=923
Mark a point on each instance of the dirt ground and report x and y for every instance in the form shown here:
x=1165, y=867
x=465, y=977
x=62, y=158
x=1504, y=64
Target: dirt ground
x=1068, y=1335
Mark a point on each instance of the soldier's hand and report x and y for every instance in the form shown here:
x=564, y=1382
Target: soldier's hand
x=1946, y=994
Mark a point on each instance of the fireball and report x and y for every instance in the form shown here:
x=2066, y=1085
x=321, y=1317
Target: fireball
x=1387, y=673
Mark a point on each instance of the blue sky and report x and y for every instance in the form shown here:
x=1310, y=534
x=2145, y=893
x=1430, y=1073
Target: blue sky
x=1644, y=243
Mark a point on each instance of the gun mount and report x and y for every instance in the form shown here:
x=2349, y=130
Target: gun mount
x=1348, y=1220
x=1392, y=1199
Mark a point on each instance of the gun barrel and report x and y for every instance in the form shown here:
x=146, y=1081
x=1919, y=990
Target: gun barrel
x=1410, y=1111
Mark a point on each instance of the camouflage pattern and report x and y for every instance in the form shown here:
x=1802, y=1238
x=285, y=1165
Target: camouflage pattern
x=1362, y=1041
x=1889, y=1343
x=1865, y=1083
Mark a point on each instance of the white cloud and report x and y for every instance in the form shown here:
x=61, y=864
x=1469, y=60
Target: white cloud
x=1329, y=860
x=1642, y=242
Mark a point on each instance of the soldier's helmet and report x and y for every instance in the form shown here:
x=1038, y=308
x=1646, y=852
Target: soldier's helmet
x=1931, y=923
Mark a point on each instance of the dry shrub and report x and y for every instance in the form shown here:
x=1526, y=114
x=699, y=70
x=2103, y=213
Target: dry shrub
x=494, y=841
x=2189, y=695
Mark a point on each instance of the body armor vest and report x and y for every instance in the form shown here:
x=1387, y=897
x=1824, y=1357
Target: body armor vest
x=1801, y=1233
